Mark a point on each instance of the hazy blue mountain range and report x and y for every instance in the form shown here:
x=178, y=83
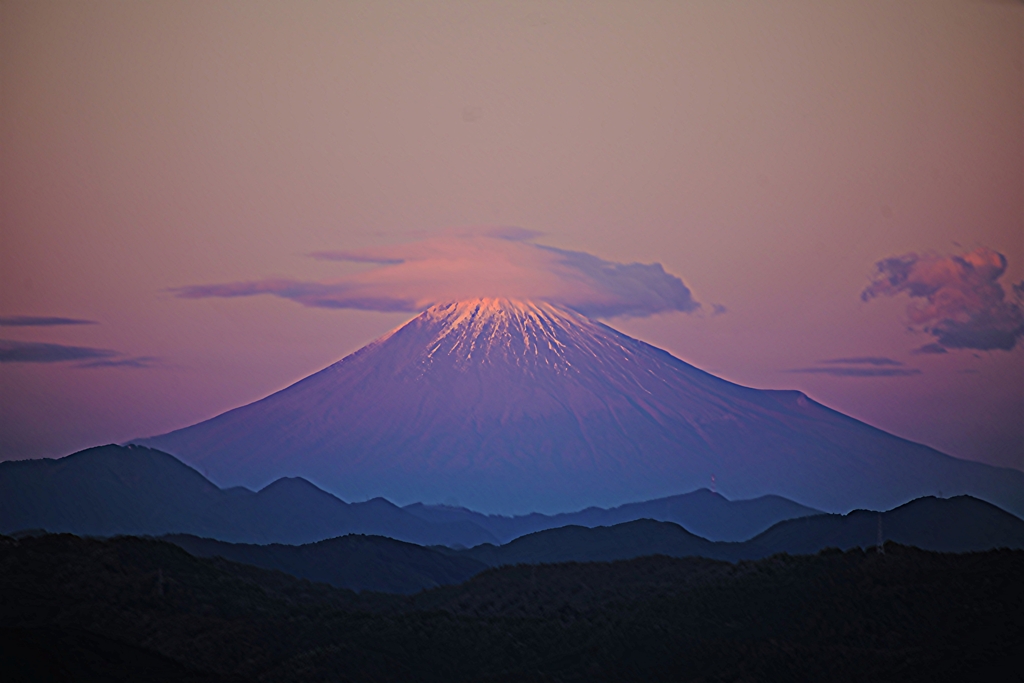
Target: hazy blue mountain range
x=135, y=490
x=701, y=512
x=112, y=490
x=516, y=407
x=960, y=524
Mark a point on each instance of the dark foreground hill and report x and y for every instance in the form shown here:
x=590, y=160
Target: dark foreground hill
x=906, y=615
x=355, y=562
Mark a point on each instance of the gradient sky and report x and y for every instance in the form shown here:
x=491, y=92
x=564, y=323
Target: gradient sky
x=768, y=155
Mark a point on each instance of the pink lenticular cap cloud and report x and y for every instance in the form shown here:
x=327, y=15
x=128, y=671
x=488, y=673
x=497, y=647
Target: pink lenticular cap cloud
x=483, y=262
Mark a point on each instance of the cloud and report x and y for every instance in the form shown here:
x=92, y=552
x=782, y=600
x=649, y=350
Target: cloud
x=314, y=294
x=862, y=360
x=352, y=257
x=41, y=352
x=484, y=262
x=929, y=349
x=44, y=352
x=40, y=321
x=961, y=302
x=513, y=233
x=858, y=371
x=134, y=362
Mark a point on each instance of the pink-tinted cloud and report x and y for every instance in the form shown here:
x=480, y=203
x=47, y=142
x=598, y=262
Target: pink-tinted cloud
x=957, y=299
x=492, y=262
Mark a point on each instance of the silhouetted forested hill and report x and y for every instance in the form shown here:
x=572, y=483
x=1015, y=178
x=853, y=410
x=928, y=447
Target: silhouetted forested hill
x=958, y=524
x=905, y=615
x=355, y=561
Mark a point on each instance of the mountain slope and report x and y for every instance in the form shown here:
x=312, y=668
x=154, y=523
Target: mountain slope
x=508, y=406
x=134, y=490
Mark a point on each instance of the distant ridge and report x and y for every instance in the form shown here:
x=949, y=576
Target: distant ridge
x=702, y=512
x=136, y=490
x=959, y=524
x=513, y=406
x=111, y=490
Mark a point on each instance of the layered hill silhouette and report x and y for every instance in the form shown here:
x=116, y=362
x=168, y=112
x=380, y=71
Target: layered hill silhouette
x=112, y=490
x=357, y=562
x=136, y=490
x=510, y=406
x=960, y=524
x=701, y=512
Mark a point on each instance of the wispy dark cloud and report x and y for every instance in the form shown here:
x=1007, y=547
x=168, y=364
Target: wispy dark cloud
x=838, y=371
x=313, y=294
x=40, y=321
x=512, y=233
x=633, y=289
x=42, y=352
x=352, y=257
x=958, y=299
x=45, y=352
x=862, y=360
x=133, y=362
x=928, y=349
x=487, y=262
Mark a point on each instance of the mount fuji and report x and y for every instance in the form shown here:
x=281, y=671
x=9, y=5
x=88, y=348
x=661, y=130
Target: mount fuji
x=512, y=406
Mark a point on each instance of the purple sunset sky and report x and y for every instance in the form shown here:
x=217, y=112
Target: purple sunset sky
x=201, y=203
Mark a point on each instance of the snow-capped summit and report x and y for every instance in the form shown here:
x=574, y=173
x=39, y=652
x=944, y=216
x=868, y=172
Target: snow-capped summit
x=496, y=330
x=512, y=406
